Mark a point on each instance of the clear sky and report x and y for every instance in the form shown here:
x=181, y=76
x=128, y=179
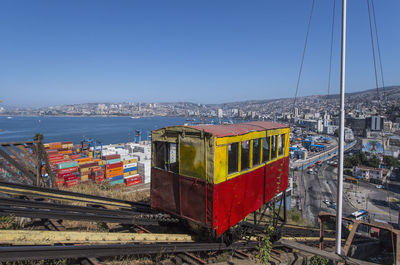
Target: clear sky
x=78, y=51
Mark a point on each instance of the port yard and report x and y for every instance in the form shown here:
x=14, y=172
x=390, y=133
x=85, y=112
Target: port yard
x=126, y=164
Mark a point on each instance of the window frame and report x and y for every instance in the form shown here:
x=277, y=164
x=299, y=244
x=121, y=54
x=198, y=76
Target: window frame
x=274, y=145
x=258, y=162
x=237, y=158
x=166, y=156
x=281, y=145
x=268, y=139
x=248, y=156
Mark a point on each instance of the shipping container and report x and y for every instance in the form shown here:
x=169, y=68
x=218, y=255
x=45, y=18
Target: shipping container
x=114, y=165
x=67, y=170
x=111, y=157
x=117, y=173
x=121, y=181
x=116, y=178
x=67, y=165
x=134, y=180
x=89, y=165
x=130, y=169
x=112, y=161
x=71, y=183
x=130, y=165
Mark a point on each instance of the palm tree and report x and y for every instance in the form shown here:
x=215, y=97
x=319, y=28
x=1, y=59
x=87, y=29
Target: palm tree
x=38, y=137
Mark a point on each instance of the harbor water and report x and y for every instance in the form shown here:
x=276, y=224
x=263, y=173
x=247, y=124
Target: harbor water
x=108, y=130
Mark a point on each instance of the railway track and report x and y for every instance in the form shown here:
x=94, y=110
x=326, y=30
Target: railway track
x=82, y=251
x=45, y=210
x=127, y=213
x=31, y=191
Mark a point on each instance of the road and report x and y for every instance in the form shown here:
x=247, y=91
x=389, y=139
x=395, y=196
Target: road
x=317, y=187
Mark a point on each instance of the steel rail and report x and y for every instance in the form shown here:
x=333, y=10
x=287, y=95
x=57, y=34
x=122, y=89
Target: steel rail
x=14, y=188
x=81, y=251
x=54, y=214
x=65, y=207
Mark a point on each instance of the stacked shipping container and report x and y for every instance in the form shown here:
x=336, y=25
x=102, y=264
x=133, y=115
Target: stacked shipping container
x=71, y=167
x=131, y=175
x=114, y=169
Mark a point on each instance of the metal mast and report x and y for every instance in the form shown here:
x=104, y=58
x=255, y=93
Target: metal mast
x=339, y=203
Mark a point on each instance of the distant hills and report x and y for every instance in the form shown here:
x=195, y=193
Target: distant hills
x=391, y=93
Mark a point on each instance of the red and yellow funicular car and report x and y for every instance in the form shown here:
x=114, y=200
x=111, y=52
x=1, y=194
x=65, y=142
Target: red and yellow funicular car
x=215, y=175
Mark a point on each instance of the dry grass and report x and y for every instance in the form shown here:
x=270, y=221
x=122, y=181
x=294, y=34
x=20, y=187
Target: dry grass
x=129, y=261
x=120, y=192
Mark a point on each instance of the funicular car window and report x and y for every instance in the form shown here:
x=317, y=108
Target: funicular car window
x=274, y=146
x=256, y=151
x=266, y=142
x=166, y=156
x=245, y=155
x=233, y=158
x=281, y=144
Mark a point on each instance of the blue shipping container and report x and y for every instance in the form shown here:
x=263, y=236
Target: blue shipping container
x=116, y=178
x=121, y=181
x=130, y=169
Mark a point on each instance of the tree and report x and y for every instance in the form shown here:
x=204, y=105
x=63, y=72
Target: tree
x=391, y=161
x=38, y=137
x=373, y=162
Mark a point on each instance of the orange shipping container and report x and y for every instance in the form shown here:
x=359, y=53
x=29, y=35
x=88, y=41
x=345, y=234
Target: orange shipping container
x=111, y=175
x=83, y=159
x=114, y=170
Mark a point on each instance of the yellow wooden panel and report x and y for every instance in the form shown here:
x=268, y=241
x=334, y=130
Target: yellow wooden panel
x=192, y=157
x=220, y=164
x=287, y=144
x=251, y=154
x=25, y=237
x=278, y=131
x=239, y=138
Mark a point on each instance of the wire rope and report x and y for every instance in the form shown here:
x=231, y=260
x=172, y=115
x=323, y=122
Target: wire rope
x=303, y=55
x=331, y=51
x=377, y=43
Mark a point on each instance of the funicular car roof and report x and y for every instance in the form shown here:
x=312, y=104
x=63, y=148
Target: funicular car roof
x=226, y=130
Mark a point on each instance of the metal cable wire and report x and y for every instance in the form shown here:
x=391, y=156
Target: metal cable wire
x=302, y=57
x=331, y=51
x=373, y=53
x=377, y=43
x=377, y=92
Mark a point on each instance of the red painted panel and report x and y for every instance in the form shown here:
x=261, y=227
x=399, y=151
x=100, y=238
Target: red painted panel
x=285, y=175
x=276, y=178
x=236, y=198
x=222, y=205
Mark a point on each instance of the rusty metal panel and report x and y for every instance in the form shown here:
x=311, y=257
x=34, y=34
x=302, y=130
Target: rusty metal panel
x=164, y=191
x=193, y=201
x=188, y=197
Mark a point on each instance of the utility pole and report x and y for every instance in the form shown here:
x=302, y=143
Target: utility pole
x=339, y=203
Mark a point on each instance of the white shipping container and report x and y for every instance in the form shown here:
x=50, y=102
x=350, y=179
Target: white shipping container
x=131, y=176
x=130, y=165
x=144, y=169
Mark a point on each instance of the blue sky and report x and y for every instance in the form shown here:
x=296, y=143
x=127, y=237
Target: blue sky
x=63, y=52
